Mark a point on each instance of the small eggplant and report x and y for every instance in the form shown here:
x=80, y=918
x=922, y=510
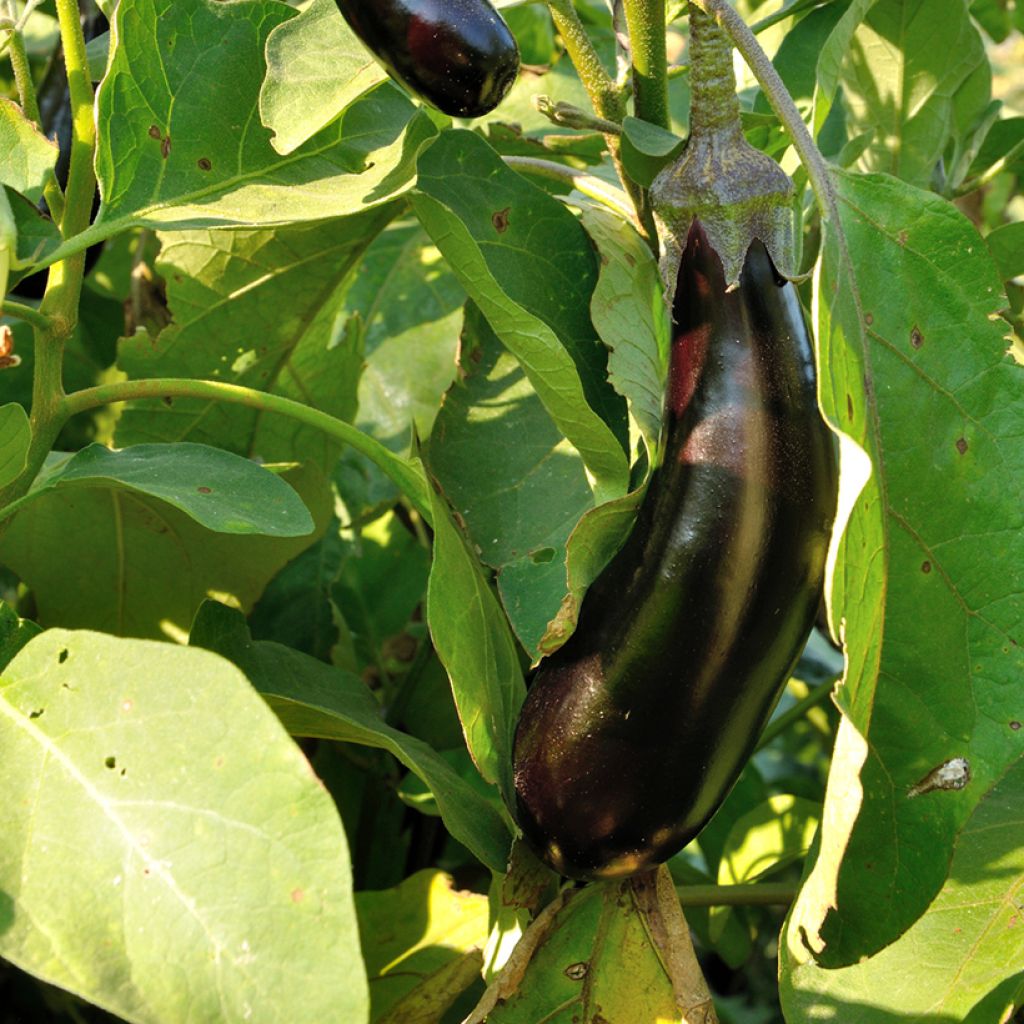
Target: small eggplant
x=633, y=733
x=458, y=55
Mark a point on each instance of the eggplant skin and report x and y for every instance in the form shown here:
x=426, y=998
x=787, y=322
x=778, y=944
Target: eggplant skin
x=633, y=733
x=458, y=55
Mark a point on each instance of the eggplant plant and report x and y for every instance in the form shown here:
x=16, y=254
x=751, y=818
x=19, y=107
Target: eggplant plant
x=560, y=563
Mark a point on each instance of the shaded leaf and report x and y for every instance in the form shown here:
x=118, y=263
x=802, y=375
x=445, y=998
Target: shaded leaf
x=15, y=437
x=314, y=699
x=145, y=843
x=14, y=633
x=526, y=262
x=90, y=555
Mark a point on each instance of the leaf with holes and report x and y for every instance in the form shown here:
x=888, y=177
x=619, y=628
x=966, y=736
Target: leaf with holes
x=142, y=845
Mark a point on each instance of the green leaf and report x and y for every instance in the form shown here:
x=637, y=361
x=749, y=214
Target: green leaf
x=259, y=309
x=833, y=53
x=647, y=149
x=629, y=312
x=526, y=262
x=765, y=839
x=171, y=157
x=609, y=952
x=15, y=437
x=417, y=933
x=91, y=554
x=967, y=943
x=38, y=236
x=1006, y=244
x=314, y=699
x=221, y=491
x=927, y=578
x=8, y=241
x=316, y=68
x=162, y=826
x=475, y=645
x=517, y=484
x=29, y=156
x=409, y=304
x=14, y=633
x=902, y=77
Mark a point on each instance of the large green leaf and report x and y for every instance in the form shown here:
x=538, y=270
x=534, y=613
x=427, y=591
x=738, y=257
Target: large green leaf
x=473, y=640
x=223, y=492
x=14, y=633
x=905, y=76
x=185, y=147
x=517, y=484
x=167, y=852
x=314, y=699
x=258, y=309
x=927, y=581
x=527, y=263
x=969, y=942
x=316, y=67
x=91, y=555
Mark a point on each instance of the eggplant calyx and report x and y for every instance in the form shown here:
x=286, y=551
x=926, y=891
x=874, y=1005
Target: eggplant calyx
x=738, y=193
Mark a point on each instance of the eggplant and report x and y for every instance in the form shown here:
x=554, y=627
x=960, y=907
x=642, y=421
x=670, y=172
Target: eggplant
x=633, y=732
x=458, y=55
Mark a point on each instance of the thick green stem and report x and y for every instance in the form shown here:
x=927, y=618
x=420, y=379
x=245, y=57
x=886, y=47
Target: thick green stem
x=29, y=314
x=782, y=103
x=761, y=894
x=605, y=96
x=646, y=22
x=408, y=479
x=23, y=76
x=714, y=106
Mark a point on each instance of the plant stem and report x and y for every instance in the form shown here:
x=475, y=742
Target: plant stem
x=782, y=103
x=646, y=22
x=23, y=76
x=403, y=473
x=29, y=314
x=604, y=95
x=588, y=184
x=760, y=894
x=816, y=696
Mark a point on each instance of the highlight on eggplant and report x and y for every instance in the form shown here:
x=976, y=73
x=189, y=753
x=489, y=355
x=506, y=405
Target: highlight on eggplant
x=633, y=733
x=457, y=55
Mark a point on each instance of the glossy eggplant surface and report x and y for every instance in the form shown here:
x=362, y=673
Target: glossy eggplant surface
x=635, y=730
x=458, y=55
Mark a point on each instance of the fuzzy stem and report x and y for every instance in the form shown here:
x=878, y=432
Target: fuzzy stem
x=604, y=95
x=714, y=106
x=782, y=103
x=23, y=76
x=760, y=894
x=646, y=22
x=29, y=314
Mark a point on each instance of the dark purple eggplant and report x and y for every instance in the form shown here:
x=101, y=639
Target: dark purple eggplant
x=634, y=731
x=458, y=55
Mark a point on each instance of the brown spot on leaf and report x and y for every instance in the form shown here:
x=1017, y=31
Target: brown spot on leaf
x=916, y=338
x=577, y=972
x=1015, y=725
x=154, y=132
x=869, y=319
x=168, y=400
x=926, y=567
x=500, y=220
x=205, y=490
x=902, y=238
x=961, y=445
x=204, y=164
x=849, y=406
x=298, y=895
x=165, y=147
